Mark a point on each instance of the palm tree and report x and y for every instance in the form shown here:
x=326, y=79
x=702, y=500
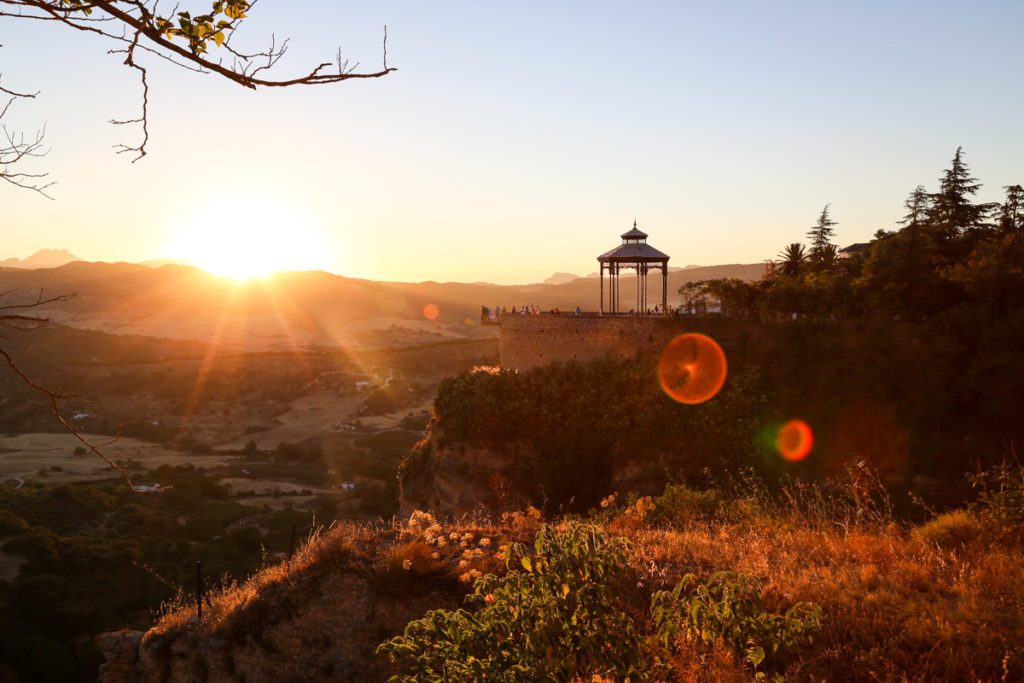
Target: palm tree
x=793, y=258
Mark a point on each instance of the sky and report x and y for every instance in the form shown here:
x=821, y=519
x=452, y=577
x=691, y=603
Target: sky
x=519, y=139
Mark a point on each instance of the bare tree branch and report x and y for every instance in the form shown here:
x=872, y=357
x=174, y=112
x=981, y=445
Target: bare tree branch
x=186, y=40
x=15, y=147
x=10, y=320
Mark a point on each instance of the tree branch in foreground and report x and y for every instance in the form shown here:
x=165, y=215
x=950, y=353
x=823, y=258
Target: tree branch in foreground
x=15, y=320
x=200, y=43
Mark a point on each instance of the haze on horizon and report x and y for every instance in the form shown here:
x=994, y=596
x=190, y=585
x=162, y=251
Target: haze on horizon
x=516, y=142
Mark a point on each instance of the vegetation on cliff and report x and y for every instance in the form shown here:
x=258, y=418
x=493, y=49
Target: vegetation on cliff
x=710, y=582
x=592, y=417
x=921, y=403
x=947, y=253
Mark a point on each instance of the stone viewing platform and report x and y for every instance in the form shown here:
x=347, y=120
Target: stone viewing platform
x=531, y=338
x=530, y=341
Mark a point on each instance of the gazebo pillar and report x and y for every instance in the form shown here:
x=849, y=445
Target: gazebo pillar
x=664, y=288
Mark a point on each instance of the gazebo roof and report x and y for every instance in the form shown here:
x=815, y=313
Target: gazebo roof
x=633, y=251
x=634, y=248
x=634, y=234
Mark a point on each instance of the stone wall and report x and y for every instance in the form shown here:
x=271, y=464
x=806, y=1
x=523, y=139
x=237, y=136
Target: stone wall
x=529, y=341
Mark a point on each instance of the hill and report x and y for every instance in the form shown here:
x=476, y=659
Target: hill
x=290, y=309
x=822, y=585
x=44, y=258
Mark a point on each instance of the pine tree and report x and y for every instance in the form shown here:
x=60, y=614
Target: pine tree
x=952, y=212
x=1011, y=212
x=821, y=237
x=918, y=206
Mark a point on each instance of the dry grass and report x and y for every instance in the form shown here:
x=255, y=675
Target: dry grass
x=929, y=603
x=933, y=603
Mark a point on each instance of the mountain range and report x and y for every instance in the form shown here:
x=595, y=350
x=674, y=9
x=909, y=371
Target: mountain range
x=44, y=258
x=291, y=308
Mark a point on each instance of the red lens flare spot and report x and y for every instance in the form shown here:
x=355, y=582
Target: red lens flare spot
x=431, y=311
x=692, y=368
x=795, y=440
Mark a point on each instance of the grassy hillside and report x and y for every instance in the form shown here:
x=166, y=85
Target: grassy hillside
x=939, y=601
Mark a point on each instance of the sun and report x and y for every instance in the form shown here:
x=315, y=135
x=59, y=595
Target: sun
x=249, y=236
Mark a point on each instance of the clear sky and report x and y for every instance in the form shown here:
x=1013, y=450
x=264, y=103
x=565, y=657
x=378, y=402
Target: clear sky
x=518, y=139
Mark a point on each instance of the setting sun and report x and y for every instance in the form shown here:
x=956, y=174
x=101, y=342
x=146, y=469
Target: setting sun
x=249, y=236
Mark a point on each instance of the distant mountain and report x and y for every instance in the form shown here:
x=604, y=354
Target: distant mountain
x=184, y=302
x=44, y=258
x=560, y=279
x=158, y=262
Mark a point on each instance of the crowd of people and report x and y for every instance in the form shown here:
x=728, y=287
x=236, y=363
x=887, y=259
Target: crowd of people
x=495, y=313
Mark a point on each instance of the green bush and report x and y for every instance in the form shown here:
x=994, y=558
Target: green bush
x=556, y=616
x=679, y=504
x=727, y=607
x=1000, y=503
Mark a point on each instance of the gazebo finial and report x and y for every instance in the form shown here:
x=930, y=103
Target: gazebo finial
x=634, y=223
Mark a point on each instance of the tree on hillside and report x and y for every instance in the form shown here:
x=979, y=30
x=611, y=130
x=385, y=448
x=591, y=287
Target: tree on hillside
x=199, y=41
x=792, y=259
x=821, y=239
x=1011, y=212
x=918, y=206
x=952, y=214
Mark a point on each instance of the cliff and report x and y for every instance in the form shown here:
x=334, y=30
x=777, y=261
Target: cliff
x=319, y=616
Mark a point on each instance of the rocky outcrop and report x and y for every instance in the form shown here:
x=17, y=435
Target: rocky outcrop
x=319, y=619
x=453, y=479
x=121, y=651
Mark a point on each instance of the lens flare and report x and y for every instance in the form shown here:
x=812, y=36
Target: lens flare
x=795, y=440
x=431, y=311
x=692, y=368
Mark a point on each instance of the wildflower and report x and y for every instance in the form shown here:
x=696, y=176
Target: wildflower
x=406, y=564
x=485, y=541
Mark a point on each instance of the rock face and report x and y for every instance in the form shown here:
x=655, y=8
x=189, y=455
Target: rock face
x=121, y=650
x=321, y=621
x=452, y=479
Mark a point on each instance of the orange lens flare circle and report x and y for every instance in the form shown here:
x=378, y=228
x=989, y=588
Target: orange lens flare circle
x=431, y=311
x=692, y=368
x=795, y=440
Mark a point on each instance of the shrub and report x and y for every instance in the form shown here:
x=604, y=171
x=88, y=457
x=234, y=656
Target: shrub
x=680, y=504
x=556, y=616
x=1000, y=503
x=727, y=608
x=950, y=529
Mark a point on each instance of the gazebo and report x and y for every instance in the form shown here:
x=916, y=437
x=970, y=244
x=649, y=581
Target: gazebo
x=634, y=253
